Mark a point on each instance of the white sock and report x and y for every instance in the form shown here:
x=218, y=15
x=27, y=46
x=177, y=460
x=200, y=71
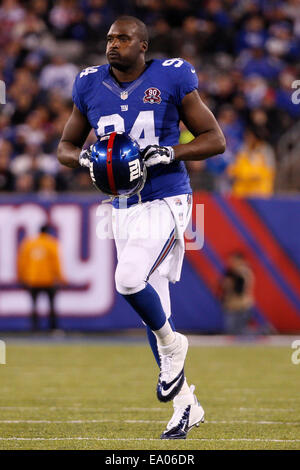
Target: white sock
x=165, y=335
x=185, y=389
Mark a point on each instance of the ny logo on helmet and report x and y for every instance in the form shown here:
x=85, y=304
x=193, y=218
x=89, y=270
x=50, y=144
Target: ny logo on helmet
x=135, y=169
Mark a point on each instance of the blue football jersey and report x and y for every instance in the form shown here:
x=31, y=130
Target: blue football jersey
x=147, y=109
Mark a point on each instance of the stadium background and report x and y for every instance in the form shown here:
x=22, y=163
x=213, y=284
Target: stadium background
x=245, y=54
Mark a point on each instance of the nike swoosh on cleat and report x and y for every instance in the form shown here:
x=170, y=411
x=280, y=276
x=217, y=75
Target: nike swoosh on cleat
x=166, y=386
x=167, y=391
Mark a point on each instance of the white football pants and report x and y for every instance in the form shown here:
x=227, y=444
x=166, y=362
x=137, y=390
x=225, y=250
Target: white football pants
x=144, y=236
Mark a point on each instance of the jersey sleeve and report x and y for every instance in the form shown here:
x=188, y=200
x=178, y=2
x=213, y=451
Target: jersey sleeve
x=186, y=80
x=77, y=95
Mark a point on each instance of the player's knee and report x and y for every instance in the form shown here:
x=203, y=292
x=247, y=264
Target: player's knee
x=129, y=278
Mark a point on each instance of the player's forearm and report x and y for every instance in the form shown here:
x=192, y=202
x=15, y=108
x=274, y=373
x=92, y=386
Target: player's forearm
x=204, y=146
x=68, y=154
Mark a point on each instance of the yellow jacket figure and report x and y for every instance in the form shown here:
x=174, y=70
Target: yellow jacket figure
x=39, y=269
x=38, y=261
x=253, y=171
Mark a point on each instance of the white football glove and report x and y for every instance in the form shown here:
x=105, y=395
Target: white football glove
x=85, y=157
x=154, y=154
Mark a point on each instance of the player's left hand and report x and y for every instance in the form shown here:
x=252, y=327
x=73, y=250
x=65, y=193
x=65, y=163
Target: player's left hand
x=85, y=157
x=154, y=154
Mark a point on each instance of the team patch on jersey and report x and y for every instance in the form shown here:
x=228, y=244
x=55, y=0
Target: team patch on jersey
x=152, y=95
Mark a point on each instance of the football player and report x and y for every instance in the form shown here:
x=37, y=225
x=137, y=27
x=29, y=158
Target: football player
x=147, y=99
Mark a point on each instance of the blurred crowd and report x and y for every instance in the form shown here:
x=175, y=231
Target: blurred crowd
x=245, y=53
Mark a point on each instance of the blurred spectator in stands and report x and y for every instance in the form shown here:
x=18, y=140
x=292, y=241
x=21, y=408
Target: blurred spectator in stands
x=11, y=58
x=6, y=176
x=175, y=11
x=24, y=82
x=6, y=148
x=162, y=40
x=6, y=130
x=278, y=121
x=77, y=28
x=282, y=43
x=291, y=12
x=23, y=106
x=288, y=176
x=200, y=178
x=33, y=159
x=261, y=119
x=255, y=89
x=39, y=271
x=23, y=95
x=33, y=131
x=83, y=182
x=217, y=26
x=59, y=76
x=233, y=129
x=60, y=16
x=257, y=62
x=236, y=295
x=232, y=126
x=46, y=185
x=148, y=11
x=59, y=113
x=11, y=13
x=190, y=40
x=99, y=16
x=24, y=183
x=222, y=89
x=240, y=106
x=30, y=31
x=40, y=9
x=252, y=34
x=253, y=169
x=65, y=179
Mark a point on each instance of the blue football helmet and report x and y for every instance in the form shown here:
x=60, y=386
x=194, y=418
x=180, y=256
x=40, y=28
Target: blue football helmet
x=117, y=167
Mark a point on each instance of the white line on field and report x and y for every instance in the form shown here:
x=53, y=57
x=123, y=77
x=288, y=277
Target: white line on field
x=127, y=409
x=136, y=421
x=245, y=421
x=140, y=439
x=133, y=408
x=158, y=409
x=286, y=410
x=240, y=408
x=48, y=421
x=52, y=408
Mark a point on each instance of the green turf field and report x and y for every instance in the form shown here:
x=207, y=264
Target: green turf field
x=102, y=396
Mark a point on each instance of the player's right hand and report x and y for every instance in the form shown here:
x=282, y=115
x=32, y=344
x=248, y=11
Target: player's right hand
x=85, y=157
x=155, y=154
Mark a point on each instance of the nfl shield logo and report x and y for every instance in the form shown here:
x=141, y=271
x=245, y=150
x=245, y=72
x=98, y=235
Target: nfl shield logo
x=124, y=95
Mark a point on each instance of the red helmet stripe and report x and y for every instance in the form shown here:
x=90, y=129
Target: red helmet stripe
x=110, y=174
